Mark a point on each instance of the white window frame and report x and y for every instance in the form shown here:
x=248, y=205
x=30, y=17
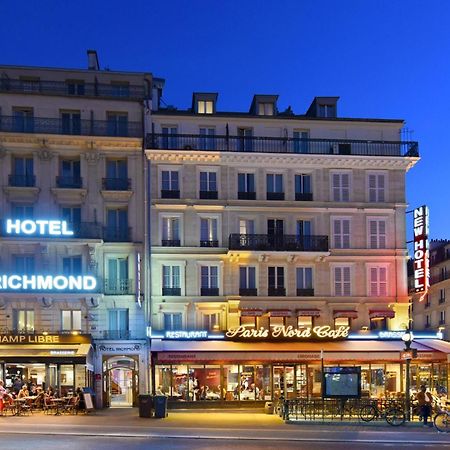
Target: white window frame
x=172, y=308
x=71, y=312
x=350, y=185
x=256, y=266
x=333, y=268
x=169, y=215
x=386, y=189
x=301, y=174
x=163, y=168
x=369, y=267
x=219, y=265
x=205, y=106
x=246, y=171
x=283, y=178
x=333, y=240
x=209, y=169
x=285, y=276
x=377, y=219
x=312, y=275
x=253, y=219
x=218, y=218
x=266, y=109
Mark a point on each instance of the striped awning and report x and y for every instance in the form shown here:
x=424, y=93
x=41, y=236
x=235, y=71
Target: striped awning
x=345, y=313
x=381, y=314
x=280, y=312
x=308, y=312
x=252, y=312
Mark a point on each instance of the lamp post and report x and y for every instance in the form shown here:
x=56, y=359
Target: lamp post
x=407, y=338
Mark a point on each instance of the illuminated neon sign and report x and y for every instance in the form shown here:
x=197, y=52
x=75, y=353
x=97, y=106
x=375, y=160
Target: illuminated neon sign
x=42, y=283
x=37, y=227
x=186, y=334
x=421, y=250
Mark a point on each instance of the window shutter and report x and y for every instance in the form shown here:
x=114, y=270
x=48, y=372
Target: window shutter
x=345, y=180
x=336, y=187
x=204, y=230
x=337, y=233
x=346, y=281
x=345, y=233
x=373, y=281
x=382, y=282
x=381, y=188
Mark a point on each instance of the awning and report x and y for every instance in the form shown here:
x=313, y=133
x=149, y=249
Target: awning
x=381, y=314
x=280, y=312
x=308, y=312
x=345, y=313
x=252, y=312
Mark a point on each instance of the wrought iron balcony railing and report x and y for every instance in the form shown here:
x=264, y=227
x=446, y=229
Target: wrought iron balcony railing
x=116, y=184
x=121, y=286
x=303, y=196
x=266, y=242
x=171, y=291
x=116, y=334
x=276, y=291
x=72, y=88
x=69, y=182
x=116, y=234
x=209, y=291
x=46, y=125
x=247, y=195
x=438, y=278
x=208, y=195
x=248, y=292
x=209, y=243
x=22, y=180
x=166, y=193
x=259, y=144
x=170, y=242
x=305, y=292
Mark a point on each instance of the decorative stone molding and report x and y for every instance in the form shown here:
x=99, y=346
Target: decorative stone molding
x=21, y=194
x=117, y=196
x=92, y=263
x=93, y=302
x=69, y=196
x=92, y=157
x=263, y=258
x=44, y=154
x=47, y=302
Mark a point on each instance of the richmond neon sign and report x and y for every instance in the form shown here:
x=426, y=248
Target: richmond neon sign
x=42, y=283
x=37, y=227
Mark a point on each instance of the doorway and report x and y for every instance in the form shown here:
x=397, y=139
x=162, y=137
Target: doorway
x=121, y=381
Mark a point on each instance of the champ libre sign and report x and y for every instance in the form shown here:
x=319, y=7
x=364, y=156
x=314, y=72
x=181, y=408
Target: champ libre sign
x=288, y=333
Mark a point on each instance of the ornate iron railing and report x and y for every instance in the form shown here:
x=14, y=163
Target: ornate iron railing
x=285, y=242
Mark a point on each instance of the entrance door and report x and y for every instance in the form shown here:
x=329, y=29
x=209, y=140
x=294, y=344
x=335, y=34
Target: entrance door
x=284, y=382
x=275, y=231
x=121, y=387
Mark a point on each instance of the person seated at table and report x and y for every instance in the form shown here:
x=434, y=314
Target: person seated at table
x=79, y=394
x=23, y=392
x=50, y=392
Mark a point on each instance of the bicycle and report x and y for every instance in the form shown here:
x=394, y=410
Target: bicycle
x=442, y=421
x=393, y=414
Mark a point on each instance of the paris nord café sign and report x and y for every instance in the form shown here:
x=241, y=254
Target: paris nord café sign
x=18, y=282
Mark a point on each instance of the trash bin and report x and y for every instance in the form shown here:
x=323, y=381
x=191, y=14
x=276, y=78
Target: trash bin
x=145, y=405
x=268, y=408
x=160, y=405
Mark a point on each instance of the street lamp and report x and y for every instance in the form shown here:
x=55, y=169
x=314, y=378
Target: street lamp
x=407, y=338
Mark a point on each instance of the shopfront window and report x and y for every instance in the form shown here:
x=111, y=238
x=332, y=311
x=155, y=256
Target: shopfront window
x=276, y=321
x=301, y=380
x=249, y=321
x=365, y=380
x=66, y=380
x=180, y=383
x=247, y=388
x=393, y=381
x=231, y=382
x=314, y=380
x=341, y=322
x=262, y=383
x=305, y=321
x=163, y=380
x=377, y=380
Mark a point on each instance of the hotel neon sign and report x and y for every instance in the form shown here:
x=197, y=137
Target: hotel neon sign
x=50, y=283
x=37, y=227
x=421, y=250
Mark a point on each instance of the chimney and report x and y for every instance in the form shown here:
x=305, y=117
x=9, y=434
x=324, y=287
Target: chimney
x=93, y=60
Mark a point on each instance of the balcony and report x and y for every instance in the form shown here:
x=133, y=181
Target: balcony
x=287, y=243
x=22, y=180
x=116, y=184
x=441, y=300
x=209, y=243
x=442, y=322
x=438, y=278
x=46, y=125
x=166, y=193
x=118, y=286
x=69, y=182
x=247, y=195
x=209, y=292
x=275, y=195
x=73, y=89
x=170, y=242
x=176, y=291
x=305, y=292
x=248, y=292
x=208, y=195
x=303, y=196
x=118, y=234
x=276, y=291
x=116, y=334
x=258, y=144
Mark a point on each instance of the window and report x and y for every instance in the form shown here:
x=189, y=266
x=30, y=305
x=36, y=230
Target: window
x=211, y=321
x=341, y=322
x=170, y=187
x=208, y=185
x=75, y=87
x=116, y=175
x=72, y=215
x=304, y=228
x=117, y=225
x=209, y=280
x=341, y=233
x=19, y=211
x=205, y=107
x=427, y=321
x=117, y=281
x=275, y=321
x=246, y=226
x=171, y=280
x=69, y=174
x=305, y=281
x=378, y=281
x=169, y=138
x=305, y=321
x=208, y=232
x=207, y=141
x=173, y=321
x=24, y=264
x=246, y=186
x=170, y=232
x=342, y=283
x=117, y=123
x=70, y=320
x=23, y=320
x=441, y=317
x=301, y=143
x=303, y=188
x=327, y=110
x=275, y=186
x=247, y=280
x=442, y=296
x=265, y=109
x=245, y=139
x=120, y=89
x=248, y=321
x=71, y=122
x=377, y=186
x=276, y=281
x=118, y=324
x=23, y=121
x=377, y=233
x=30, y=84
x=23, y=172
x=340, y=185
x=72, y=265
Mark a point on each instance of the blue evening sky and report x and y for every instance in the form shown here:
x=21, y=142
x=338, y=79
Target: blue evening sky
x=384, y=58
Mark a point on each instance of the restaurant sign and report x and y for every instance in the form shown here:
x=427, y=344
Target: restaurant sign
x=37, y=339
x=288, y=333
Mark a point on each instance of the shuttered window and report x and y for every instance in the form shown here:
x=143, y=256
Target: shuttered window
x=340, y=183
x=341, y=233
x=378, y=281
x=342, y=282
x=377, y=233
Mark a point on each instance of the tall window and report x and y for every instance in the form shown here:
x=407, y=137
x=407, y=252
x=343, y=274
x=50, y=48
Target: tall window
x=209, y=280
x=116, y=175
x=117, y=225
x=377, y=233
x=245, y=139
x=301, y=141
x=341, y=233
x=23, y=320
x=246, y=186
x=342, y=281
x=71, y=320
x=378, y=281
x=19, y=211
x=207, y=140
x=340, y=185
x=72, y=215
x=173, y=321
x=441, y=317
x=120, y=89
x=303, y=188
x=265, y=109
x=69, y=174
x=211, y=321
x=169, y=137
x=171, y=280
x=23, y=172
x=23, y=121
x=117, y=123
x=170, y=231
x=377, y=187
x=305, y=281
x=208, y=232
x=71, y=122
x=118, y=324
x=247, y=280
x=275, y=189
x=205, y=107
x=170, y=187
x=208, y=185
x=246, y=226
x=72, y=265
x=117, y=281
x=276, y=281
x=24, y=264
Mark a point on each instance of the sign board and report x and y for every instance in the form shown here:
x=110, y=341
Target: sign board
x=47, y=283
x=421, y=250
x=89, y=405
x=39, y=339
x=44, y=228
x=341, y=382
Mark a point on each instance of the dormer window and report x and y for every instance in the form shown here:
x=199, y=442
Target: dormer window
x=265, y=109
x=205, y=107
x=327, y=110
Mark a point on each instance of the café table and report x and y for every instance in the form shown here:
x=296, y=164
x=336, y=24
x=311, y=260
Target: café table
x=58, y=402
x=19, y=404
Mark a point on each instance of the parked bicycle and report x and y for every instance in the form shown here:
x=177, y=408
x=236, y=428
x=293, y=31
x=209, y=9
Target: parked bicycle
x=442, y=420
x=392, y=413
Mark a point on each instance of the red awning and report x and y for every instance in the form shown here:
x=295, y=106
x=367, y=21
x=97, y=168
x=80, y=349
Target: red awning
x=345, y=313
x=308, y=312
x=253, y=312
x=280, y=313
x=381, y=314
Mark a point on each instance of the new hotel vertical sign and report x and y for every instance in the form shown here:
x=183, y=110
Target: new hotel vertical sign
x=421, y=250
